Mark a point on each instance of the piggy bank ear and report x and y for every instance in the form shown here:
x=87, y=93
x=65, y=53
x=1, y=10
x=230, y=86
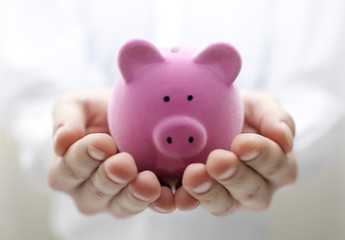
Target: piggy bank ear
x=135, y=55
x=223, y=58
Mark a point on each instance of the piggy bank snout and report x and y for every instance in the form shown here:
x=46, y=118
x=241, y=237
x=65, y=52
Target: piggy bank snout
x=180, y=137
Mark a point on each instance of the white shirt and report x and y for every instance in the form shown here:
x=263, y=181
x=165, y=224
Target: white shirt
x=291, y=49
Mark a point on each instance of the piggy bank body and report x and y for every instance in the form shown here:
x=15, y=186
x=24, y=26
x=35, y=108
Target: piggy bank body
x=173, y=107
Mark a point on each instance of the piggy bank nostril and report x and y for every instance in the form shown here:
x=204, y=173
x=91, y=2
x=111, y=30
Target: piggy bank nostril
x=179, y=137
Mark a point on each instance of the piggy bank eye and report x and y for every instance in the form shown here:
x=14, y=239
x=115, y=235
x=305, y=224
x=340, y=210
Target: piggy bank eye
x=166, y=99
x=190, y=98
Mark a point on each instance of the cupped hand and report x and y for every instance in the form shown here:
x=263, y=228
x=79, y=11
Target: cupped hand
x=88, y=168
x=261, y=160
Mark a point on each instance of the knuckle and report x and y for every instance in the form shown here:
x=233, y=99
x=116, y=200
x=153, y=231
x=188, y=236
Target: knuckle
x=248, y=197
x=258, y=198
x=102, y=195
x=100, y=191
x=276, y=166
x=251, y=196
x=259, y=205
x=70, y=172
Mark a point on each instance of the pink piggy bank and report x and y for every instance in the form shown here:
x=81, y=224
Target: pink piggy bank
x=172, y=108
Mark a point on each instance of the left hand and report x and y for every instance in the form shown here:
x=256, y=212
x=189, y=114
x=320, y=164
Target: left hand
x=88, y=167
x=261, y=160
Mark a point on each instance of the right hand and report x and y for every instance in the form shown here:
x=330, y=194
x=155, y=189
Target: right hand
x=88, y=168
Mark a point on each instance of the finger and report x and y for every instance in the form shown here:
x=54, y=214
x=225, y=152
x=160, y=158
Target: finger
x=69, y=124
x=80, y=161
x=78, y=114
x=213, y=197
x=184, y=201
x=165, y=203
x=266, y=157
x=137, y=196
x=105, y=183
x=243, y=184
x=264, y=113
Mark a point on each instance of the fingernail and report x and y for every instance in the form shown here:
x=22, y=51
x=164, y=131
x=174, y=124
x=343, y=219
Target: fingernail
x=96, y=154
x=288, y=134
x=116, y=179
x=250, y=155
x=204, y=187
x=161, y=210
x=140, y=197
x=228, y=173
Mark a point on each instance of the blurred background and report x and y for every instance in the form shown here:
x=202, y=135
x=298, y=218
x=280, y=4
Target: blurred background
x=311, y=210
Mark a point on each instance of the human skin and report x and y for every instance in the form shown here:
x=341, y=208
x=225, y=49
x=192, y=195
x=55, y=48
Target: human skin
x=88, y=167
